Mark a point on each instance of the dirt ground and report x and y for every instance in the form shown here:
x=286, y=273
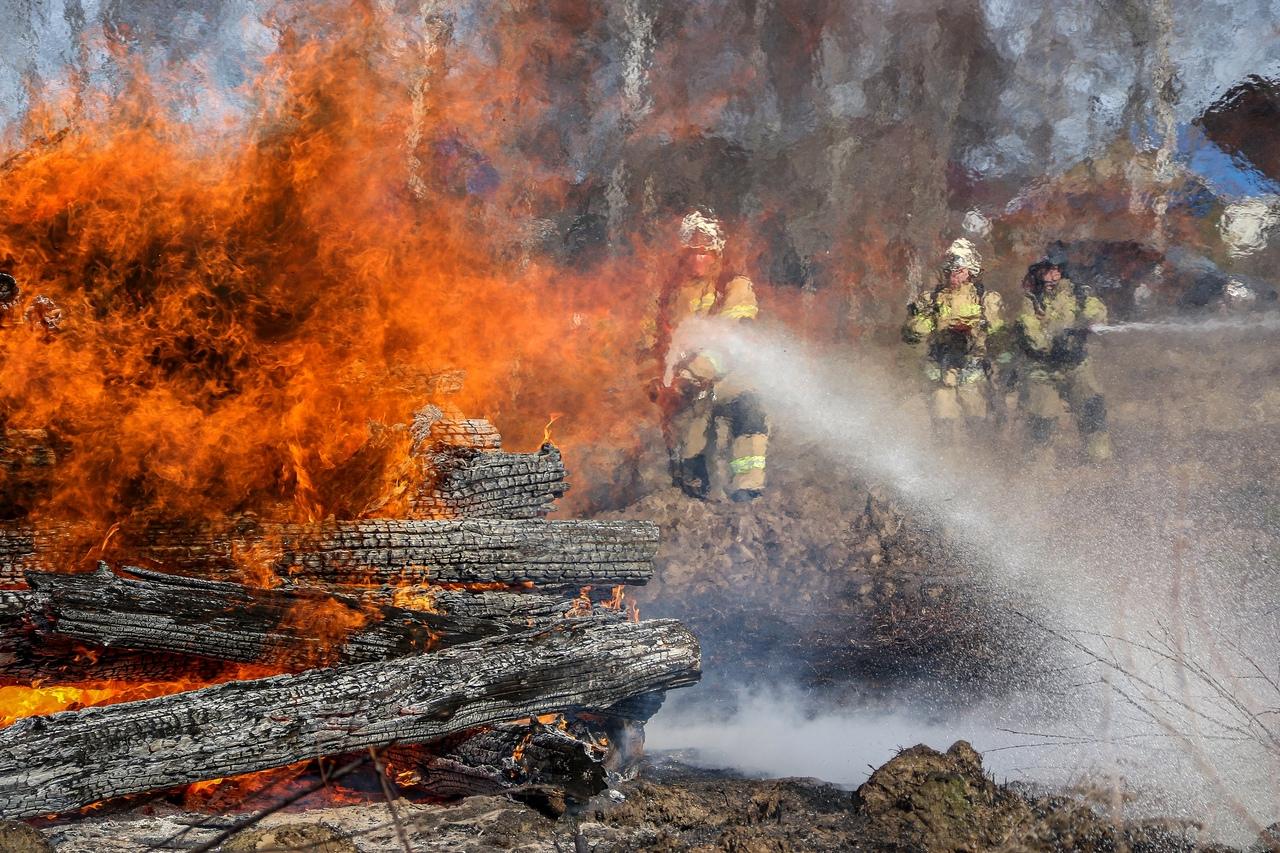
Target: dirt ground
x=922, y=800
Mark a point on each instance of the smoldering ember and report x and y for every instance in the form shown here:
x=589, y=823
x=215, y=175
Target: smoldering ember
x=606, y=425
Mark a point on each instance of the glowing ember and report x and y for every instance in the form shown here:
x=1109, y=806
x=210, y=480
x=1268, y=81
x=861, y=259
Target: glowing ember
x=518, y=753
x=408, y=778
x=19, y=701
x=251, y=790
x=415, y=598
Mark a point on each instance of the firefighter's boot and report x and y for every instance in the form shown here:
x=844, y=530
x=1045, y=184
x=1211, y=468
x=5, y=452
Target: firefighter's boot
x=1040, y=433
x=692, y=477
x=1093, y=429
x=1097, y=448
x=746, y=466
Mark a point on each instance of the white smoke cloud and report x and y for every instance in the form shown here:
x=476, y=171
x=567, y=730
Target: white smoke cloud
x=775, y=732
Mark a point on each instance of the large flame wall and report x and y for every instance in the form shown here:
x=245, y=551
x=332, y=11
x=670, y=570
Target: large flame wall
x=238, y=304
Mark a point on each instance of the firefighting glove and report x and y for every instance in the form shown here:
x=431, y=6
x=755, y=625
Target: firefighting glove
x=689, y=388
x=1069, y=347
x=655, y=390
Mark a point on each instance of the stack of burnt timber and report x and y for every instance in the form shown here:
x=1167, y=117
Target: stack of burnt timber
x=463, y=640
x=466, y=474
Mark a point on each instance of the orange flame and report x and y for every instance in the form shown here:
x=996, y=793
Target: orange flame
x=581, y=605
x=408, y=778
x=238, y=306
x=518, y=753
x=546, y=431
x=20, y=701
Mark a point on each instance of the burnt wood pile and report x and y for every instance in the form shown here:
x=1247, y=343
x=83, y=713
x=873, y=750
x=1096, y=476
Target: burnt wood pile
x=485, y=648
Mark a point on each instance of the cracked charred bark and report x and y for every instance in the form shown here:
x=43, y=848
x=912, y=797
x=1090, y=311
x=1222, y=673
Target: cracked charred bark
x=526, y=607
x=30, y=652
x=559, y=553
x=466, y=482
x=64, y=761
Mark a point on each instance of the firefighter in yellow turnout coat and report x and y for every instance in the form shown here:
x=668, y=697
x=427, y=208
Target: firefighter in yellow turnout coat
x=1053, y=330
x=952, y=324
x=702, y=388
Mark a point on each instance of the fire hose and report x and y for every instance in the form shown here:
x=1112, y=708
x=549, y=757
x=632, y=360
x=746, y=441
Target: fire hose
x=1268, y=321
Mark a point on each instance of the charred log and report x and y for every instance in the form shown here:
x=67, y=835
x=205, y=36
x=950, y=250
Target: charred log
x=551, y=553
x=444, y=778
x=508, y=551
x=464, y=473
x=466, y=482
x=442, y=466
x=431, y=427
x=13, y=605
x=526, y=608
x=62, y=662
x=64, y=761
x=14, y=626
x=24, y=548
x=290, y=629
x=505, y=758
x=571, y=758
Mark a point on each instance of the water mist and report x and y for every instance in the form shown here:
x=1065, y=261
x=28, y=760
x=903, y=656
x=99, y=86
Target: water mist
x=1162, y=634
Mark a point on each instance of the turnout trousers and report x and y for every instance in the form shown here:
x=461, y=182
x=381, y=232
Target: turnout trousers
x=690, y=435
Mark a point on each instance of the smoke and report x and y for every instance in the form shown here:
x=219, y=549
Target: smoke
x=778, y=732
x=1140, y=577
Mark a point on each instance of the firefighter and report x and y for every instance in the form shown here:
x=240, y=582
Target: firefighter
x=1053, y=331
x=701, y=387
x=41, y=314
x=951, y=325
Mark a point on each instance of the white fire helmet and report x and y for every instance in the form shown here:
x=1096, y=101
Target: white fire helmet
x=962, y=255
x=1246, y=225
x=699, y=231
